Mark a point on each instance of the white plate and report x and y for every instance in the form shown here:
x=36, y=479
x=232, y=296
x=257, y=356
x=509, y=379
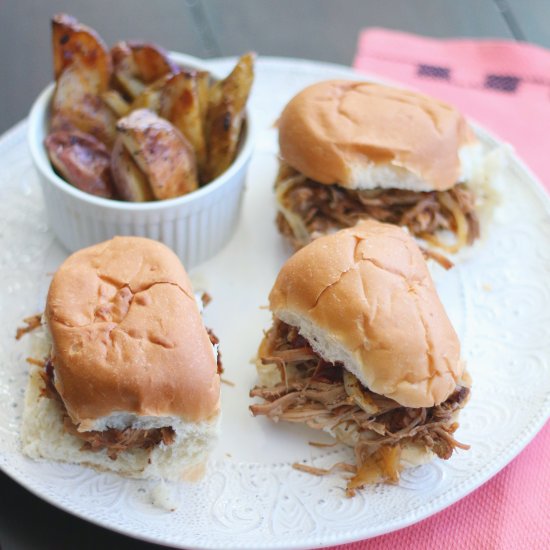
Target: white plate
x=499, y=300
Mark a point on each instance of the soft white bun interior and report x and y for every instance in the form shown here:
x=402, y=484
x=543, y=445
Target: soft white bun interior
x=390, y=175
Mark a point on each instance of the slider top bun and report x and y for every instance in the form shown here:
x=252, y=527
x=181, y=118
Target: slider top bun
x=363, y=136
x=364, y=297
x=127, y=335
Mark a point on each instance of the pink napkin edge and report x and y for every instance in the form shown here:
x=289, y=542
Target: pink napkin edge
x=375, y=34
x=441, y=516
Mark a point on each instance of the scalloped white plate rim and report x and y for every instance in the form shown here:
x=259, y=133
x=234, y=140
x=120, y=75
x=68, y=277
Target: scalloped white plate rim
x=460, y=491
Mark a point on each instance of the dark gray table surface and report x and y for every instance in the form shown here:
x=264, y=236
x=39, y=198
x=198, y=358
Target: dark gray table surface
x=325, y=30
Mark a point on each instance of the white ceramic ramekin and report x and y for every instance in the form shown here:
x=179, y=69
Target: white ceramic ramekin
x=196, y=226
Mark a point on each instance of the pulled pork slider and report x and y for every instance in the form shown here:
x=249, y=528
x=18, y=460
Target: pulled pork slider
x=361, y=347
x=131, y=381
x=355, y=150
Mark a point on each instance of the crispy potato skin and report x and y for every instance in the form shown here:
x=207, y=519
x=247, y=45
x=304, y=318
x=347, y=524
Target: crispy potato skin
x=130, y=182
x=226, y=109
x=83, y=161
x=162, y=153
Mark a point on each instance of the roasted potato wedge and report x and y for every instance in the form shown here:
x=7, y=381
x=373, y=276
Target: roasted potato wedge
x=150, y=98
x=226, y=109
x=83, y=161
x=162, y=153
x=76, y=102
x=130, y=182
x=116, y=103
x=76, y=44
x=203, y=84
x=125, y=71
x=137, y=64
x=152, y=61
x=180, y=104
x=82, y=67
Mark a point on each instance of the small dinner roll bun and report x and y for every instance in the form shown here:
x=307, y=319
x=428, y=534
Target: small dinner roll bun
x=364, y=297
x=362, y=135
x=129, y=350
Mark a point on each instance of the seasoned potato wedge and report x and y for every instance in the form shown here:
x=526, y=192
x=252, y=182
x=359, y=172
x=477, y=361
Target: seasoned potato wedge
x=76, y=102
x=115, y=102
x=130, y=182
x=162, y=153
x=150, y=98
x=82, y=160
x=83, y=69
x=203, y=84
x=76, y=44
x=152, y=61
x=125, y=71
x=180, y=104
x=226, y=109
x=137, y=64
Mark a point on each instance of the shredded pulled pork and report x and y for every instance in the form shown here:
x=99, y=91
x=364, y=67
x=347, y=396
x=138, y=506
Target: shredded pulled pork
x=113, y=440
x=443, y=261
x=312, y=209
x=31, y=323
x=215, y=341
x=117, y=441
x=322, y=395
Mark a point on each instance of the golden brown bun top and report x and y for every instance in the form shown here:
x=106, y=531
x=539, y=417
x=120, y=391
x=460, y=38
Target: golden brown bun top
x=128, y=336
x=364, y=297
x=335, y=131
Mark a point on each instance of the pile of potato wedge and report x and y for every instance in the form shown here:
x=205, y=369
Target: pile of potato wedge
x=129, y=124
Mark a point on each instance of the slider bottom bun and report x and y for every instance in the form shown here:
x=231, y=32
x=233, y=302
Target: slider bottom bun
x=43, y=436
x=379, y=456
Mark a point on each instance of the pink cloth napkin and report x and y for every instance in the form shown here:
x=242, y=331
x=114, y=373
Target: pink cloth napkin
x=506, y=87
x=509, y=512
x=503, y=85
